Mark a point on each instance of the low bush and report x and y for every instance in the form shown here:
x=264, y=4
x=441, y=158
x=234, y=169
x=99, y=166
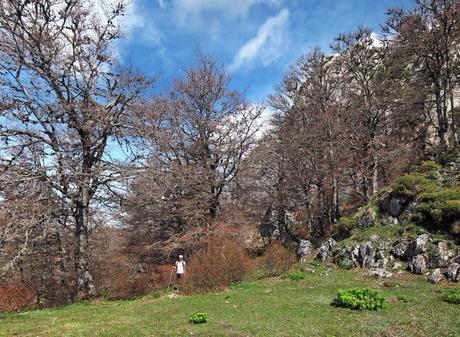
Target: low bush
x=15, y=297
x=218, y=264
x=359, y=299
x=410, y=185
x=314, y=263
x=342, y=229
x=198, y=318
x=451, y=295
x=276, y=261
x=449, y=156
x=293, y=275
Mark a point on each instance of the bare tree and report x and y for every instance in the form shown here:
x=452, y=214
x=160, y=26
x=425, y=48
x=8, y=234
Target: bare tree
x=426, y=39
x=199, y=133
x=61, y=92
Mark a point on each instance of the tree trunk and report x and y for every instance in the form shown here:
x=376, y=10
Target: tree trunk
x=375, y=175
x=84, y=280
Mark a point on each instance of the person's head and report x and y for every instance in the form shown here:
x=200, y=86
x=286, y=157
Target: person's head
x=181, y=257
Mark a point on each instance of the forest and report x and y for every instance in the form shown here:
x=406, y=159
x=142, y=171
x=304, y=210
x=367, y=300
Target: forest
x=104, y=180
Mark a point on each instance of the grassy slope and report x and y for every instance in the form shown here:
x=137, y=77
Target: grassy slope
x=271, y=307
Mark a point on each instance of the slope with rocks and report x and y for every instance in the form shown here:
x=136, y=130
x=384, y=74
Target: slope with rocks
x=413, y=225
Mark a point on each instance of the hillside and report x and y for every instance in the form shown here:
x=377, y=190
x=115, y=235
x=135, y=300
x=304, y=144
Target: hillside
x=271, y=307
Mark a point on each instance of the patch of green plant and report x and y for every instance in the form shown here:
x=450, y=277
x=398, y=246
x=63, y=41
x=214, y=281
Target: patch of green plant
x=342, y=229
x=346, y=264
x=359, y=299
x=294, y=275
x=427, y=166
x=404, y=298
x=198, y=318
x=241, y=285
x=449, y=156
x=410, y=185
x=451, y=295
x=314, y=263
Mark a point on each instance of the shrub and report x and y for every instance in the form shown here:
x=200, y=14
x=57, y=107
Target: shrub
x=342, y=229
x=215, y=266
x=277, y=260
x=451, y=295
x=129, y=284
x=410, y=185
x=448, y=156
x=198, y=318
x=294, y=275
x=15, y=297
x=314, y=263
x=359, y=299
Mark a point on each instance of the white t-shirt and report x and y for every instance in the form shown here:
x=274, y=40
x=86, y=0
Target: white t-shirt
x=180, y=267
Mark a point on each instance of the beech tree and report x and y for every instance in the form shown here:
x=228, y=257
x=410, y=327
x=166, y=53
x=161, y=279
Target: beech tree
x=61, y=92
x=426, y=40
x=198, y=134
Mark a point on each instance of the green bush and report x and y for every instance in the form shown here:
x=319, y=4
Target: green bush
x=451, y=295
x=346, y=264
x=427, y=166
x=314, y=263
x=342, y=229
x=359, y=299
x=410, y=185
x=198, y=318
x=293, y=275
x=448, y=156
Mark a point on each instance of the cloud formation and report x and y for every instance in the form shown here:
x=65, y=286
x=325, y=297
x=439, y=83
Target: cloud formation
x=194, y=9
x=266, y=46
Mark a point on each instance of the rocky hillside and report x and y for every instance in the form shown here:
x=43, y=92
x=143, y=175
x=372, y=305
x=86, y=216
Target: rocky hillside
x=413, y=225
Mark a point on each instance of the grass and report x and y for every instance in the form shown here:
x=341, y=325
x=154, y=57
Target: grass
x=271, y=307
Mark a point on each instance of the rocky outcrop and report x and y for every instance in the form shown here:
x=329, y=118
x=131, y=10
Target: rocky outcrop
x=399, y=249
x=393, y=204
x=380, y=272
x=325, y=251
x=418, y=265
x=436, y=276
x=441, y=255
x=304, y=249
x=453, y=272
x=417, y=246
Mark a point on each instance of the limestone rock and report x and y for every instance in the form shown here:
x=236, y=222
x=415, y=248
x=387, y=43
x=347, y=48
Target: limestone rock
x=393, y=204
x=380, y=272
x=325, y=251
x=304, y=249
x=441, y=255
x=418, y=265
x=399, y=250
x=397, y=266
x=453, y=272
x=436, y=276
x=417, y=246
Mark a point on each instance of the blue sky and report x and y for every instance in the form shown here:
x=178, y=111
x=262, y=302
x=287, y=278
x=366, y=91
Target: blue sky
x=255, y=39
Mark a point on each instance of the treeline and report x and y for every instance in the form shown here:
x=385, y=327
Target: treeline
x=102, y=183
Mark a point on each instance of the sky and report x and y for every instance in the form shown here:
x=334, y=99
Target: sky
x=255, y=40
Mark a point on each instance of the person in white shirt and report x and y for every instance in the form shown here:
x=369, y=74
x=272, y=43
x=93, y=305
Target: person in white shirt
x=180, y=267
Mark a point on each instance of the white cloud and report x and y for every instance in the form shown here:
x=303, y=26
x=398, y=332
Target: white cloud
x=266, y=46
x=192, y=10
x=162, y=4
x=134, y=23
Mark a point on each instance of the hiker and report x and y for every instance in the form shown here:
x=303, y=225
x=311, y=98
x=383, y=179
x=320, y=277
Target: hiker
x=180, y=267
